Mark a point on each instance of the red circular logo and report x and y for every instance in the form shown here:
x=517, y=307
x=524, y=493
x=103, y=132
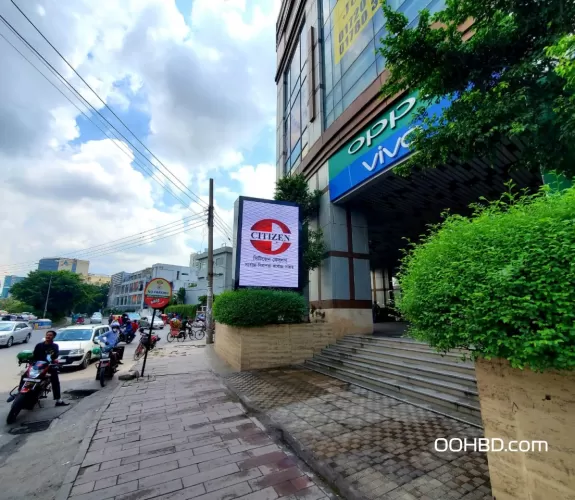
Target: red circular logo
x=270, y=236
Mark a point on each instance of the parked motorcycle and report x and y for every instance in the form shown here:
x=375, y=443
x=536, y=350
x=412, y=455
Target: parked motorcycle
x=37, y=384
x=109, y=361
x=145, y=341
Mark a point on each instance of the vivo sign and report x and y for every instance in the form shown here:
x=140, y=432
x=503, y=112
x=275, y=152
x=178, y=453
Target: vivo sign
x=377, y=148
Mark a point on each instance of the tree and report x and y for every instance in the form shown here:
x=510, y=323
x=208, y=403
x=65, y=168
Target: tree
x=94, y=298
x=181, y=296
x=294, y=188
x=66, y=290
x=12, y=305
x=513, y=79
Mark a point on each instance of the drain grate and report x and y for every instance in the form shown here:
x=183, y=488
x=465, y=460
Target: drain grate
x=31, y=427
x=80, y=393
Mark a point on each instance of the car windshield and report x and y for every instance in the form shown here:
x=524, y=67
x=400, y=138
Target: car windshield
x=74, y=334
x=6, y=327
x=134, y=316
x=96, y=315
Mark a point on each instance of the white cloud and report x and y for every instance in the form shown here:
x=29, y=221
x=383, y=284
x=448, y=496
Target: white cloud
x=207, y=88
x=258, y=181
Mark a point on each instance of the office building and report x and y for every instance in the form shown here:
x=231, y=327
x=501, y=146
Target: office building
x=64, y=264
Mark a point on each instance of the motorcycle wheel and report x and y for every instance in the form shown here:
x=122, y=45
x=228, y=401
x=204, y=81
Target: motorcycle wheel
x=16, y=408
x=129, y=341
x=139, y=352
x=102, y=376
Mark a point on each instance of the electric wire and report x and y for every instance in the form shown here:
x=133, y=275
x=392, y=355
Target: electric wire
x=199, y=200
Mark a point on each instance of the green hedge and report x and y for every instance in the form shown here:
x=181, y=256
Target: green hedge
x=182, y=310
x=250, y=307
x=501, y=282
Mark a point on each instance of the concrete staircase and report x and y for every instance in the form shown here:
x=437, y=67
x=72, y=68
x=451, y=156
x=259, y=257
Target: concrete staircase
x=406, y=370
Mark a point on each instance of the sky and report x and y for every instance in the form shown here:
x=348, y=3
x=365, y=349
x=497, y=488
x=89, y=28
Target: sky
x=194, y=82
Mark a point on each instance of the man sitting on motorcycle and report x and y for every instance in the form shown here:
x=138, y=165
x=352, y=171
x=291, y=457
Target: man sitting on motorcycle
x=110, y=339
x=47, y=351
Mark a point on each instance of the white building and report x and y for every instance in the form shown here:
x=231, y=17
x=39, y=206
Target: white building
x=127, y=289
x=223, y=273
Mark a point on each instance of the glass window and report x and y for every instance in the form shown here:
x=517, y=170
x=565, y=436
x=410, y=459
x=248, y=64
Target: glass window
x=361, y=84
x=346, y=79
x=296, y=114
x=360, y=65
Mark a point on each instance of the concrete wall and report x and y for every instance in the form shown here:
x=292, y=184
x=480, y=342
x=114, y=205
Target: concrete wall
x=523, y=405
x=272, y=345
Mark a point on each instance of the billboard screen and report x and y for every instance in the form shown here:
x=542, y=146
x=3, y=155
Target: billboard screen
x=268, y=244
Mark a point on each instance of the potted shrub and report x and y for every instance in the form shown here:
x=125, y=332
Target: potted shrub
x=266, y=328
x=501, y=283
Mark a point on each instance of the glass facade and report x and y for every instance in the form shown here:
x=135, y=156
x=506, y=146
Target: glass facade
x=351, y=34
x=296, y=93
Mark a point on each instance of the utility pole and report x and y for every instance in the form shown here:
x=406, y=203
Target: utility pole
x=210, y=300
x=47, y=298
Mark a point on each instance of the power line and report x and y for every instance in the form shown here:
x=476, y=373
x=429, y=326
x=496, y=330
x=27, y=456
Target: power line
x=113, y=113
x=122, y=241
x=71, y=87
x=131, y=246
x=115, y=140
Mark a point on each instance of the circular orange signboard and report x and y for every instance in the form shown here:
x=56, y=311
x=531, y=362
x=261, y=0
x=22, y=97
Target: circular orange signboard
x=158, y=293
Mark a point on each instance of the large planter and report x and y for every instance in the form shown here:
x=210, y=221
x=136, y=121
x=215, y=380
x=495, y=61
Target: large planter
x=522, y=405
x=271, y=346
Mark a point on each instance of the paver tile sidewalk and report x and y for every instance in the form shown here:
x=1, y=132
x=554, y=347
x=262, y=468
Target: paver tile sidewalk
x=180, y=435
x=369, y=445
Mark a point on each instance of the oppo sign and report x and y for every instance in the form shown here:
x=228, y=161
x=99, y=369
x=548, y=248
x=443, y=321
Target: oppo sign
x=378, y=128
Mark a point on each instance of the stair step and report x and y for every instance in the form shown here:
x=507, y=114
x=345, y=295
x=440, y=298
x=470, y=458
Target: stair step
x=414, y=369
x=470, y=417
x=401, y=347
x=461, y=367
x=454, y=403
x=427, y=382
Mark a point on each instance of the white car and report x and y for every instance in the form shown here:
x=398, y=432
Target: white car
x=158, y=323
x=76, y=342
x=96, y=318
x=14, y=331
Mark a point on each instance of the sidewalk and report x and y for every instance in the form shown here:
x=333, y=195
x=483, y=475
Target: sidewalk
x=178, y=434
x=370, y=446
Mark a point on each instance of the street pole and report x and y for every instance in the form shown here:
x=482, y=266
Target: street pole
x=210, y=300
x=47, y=298
x=147, y=344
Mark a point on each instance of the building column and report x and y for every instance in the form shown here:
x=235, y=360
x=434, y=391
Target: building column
x=341, y=288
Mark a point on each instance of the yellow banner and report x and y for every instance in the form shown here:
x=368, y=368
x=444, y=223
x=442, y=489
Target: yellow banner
x=349, y=19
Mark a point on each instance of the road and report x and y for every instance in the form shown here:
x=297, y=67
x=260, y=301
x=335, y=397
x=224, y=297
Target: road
x=33, y=465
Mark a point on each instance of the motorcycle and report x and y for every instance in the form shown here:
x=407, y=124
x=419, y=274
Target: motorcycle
x=145, y=341
x=109, y=361
x=37, y=384
x=126, y=337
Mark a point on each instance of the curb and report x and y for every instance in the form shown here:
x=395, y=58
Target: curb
x=334, y=480
x=66, y=487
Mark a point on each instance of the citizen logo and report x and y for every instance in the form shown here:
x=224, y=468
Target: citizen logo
x=270, y=236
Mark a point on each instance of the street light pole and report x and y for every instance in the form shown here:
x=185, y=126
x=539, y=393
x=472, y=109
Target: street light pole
x=47, y=298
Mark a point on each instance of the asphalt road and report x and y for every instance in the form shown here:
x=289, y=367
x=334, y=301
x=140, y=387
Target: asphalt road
x=70, y=378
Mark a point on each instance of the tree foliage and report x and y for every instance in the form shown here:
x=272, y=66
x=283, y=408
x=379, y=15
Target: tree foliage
x=68, y=292
x=501, y=282
x=13, y=305
x=295, y=188
x=181, y=295
x=513, y=79
x=253, y=307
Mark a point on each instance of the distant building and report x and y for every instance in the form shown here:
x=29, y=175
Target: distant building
x=127, y=289
x=8, y=282
x=97, y=279
x=223, y=273
x=64, y=264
